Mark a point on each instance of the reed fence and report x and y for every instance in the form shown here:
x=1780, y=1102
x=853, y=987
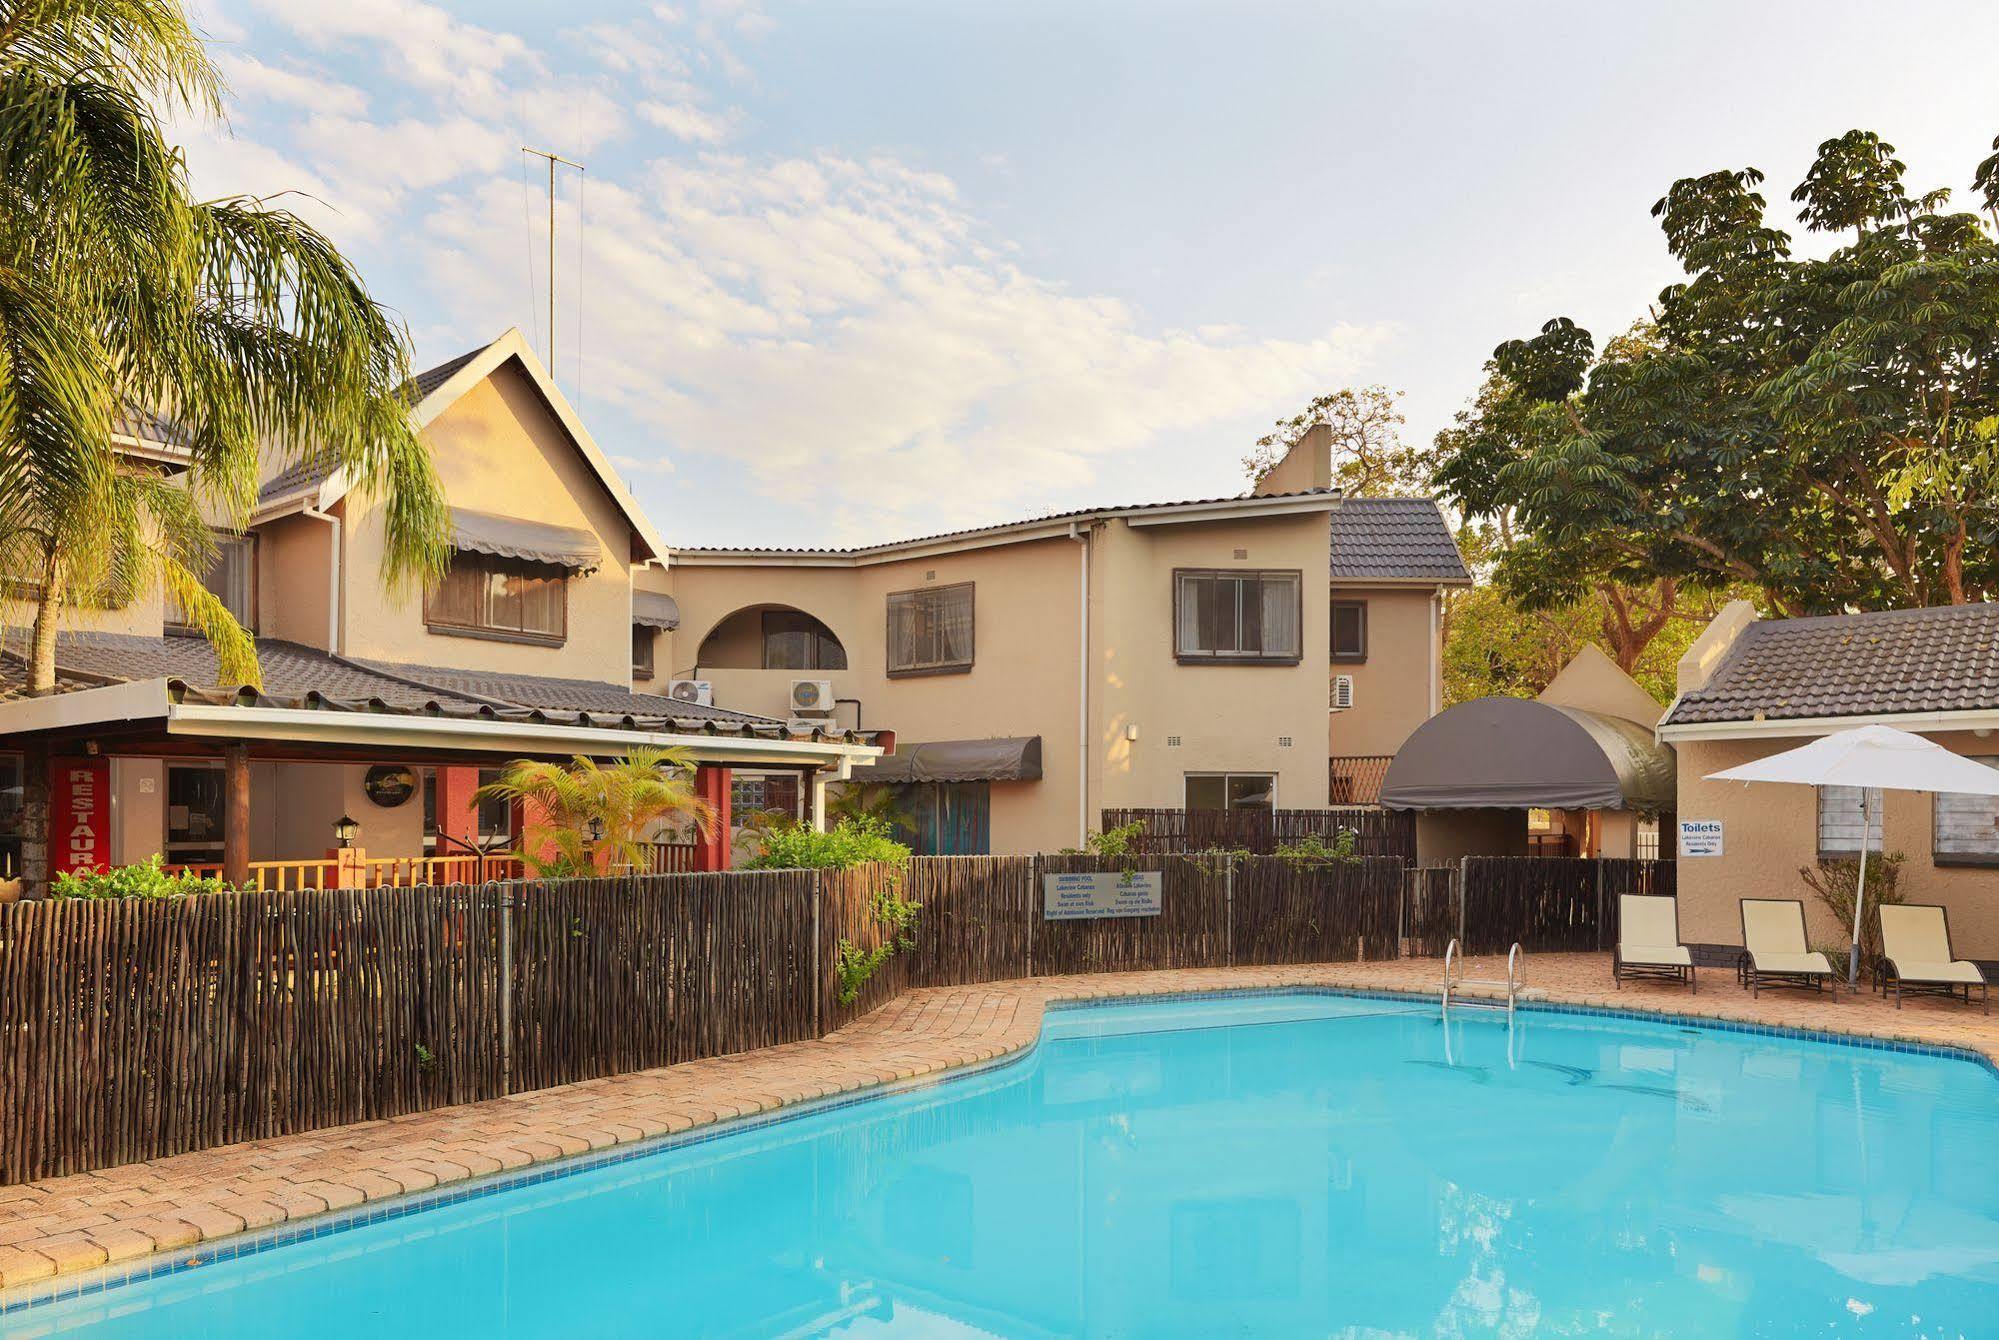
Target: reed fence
x=133, y=1030
x=1377, y=832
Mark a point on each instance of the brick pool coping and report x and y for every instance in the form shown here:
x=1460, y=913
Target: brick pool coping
x=103, y=1226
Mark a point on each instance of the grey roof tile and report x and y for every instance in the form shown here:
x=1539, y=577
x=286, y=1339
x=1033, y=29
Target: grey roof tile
x=1922, y=660
x=549, y=693
x=1394, y=538
x=431, y=378
x=299, y=477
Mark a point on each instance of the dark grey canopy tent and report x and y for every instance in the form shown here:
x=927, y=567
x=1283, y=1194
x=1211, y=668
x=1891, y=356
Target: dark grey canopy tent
x=1517, y=753
x=1016, y=759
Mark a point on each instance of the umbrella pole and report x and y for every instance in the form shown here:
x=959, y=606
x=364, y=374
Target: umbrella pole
x=1859, y=898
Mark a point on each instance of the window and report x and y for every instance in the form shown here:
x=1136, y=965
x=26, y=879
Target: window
x=482, y=596
x=643, y=639
x=794, y=640
x=195, y=813
x=1231, y=790
x=11, y=793
x=930, y=631
x=1350, y=630
x=232, y=579
x=1236, y=617
x=1967, y=827
x=1839, y=821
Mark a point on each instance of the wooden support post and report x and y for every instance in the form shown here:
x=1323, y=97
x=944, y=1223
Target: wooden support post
x=236, y=814
x=36, y=848
x=712, y=783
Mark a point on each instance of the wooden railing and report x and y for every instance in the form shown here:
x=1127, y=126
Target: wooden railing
x=274, y=876
x=409, y=872
x=673, y=858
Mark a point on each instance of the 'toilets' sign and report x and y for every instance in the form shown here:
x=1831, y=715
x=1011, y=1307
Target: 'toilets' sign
x=1086, y=894
x=1700, y=837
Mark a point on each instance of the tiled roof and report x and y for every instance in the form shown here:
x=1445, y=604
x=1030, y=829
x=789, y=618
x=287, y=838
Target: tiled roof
x=1330, y=495
x=302, y=677
x=431, y=378
x=552, y=694
x=147, y=425
x=1835, y=665
x=298, y=477
x=1394, y=538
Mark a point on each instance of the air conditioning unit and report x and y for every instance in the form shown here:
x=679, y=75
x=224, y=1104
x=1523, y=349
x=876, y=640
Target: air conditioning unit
x=812, y=697
x=1342, y=692
x=697, y=691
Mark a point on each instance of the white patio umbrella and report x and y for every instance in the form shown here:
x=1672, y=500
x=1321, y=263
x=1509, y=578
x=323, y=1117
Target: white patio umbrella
x=1871, y=758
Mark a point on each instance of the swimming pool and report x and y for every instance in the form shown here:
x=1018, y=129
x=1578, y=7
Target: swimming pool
x=1263, y=1166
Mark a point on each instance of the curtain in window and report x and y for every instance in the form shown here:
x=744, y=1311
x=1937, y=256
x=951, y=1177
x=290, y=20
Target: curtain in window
x=1839, y=820
x=500, y=595
x=1280, y=632
x=1967, y=826
x=930, y=629
x=1247, y=614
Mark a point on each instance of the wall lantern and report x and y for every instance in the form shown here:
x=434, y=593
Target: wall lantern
x=344, y=828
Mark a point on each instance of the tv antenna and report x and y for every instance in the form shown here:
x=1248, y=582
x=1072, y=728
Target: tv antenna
x=553, y=159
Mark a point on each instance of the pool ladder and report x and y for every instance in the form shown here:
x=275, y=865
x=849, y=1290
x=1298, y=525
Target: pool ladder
x=1452, y=982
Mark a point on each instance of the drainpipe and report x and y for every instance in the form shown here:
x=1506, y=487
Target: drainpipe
x=1436, y=651
x=333, y=646
x=1082, y=538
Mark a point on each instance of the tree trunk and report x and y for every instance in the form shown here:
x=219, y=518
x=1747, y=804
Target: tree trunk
x=42, y=648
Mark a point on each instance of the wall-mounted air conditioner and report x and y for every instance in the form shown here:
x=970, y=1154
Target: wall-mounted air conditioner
x=812, y=697
x=697, y=691
x=1342, y=692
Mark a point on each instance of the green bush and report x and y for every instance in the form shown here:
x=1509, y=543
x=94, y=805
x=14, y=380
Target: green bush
x=1313, y=849
x=850, y=843
x=148, y=879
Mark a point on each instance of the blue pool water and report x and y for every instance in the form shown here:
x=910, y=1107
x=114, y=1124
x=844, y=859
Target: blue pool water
x=1277, y=1166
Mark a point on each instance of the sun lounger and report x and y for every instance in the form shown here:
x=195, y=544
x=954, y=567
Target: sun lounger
x=1648, y=942
x=1774, y=952
x=1916, y=956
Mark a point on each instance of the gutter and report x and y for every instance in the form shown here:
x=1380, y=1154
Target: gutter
x=1984, y=718
x=335, y=548
x=1082, y=538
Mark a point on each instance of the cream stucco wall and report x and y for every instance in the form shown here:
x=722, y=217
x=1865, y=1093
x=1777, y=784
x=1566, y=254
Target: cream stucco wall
x=1027, y=676
x=498, y=449
x=1769, y=831
x=1393, y=688
x=295, y=579
x=1227, y=718
x=1023, y=680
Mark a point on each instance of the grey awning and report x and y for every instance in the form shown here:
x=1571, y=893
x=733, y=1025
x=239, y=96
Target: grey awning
x=650, y=609
x=1513, y=753
x=528, y=541
x=1017, y=759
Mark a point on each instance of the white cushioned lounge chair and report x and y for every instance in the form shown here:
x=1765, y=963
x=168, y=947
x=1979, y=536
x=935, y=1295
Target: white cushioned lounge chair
x=1916, y=957
x=1774, y=951
x=1648, y=942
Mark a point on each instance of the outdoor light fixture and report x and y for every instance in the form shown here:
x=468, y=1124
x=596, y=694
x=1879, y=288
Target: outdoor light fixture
x=345, y=828
x=596, y=828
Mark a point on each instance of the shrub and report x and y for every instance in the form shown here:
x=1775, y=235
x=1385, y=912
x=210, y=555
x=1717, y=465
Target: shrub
x=1833, y=880
x=148, y=879
x=1315, y=850
x=850, y=843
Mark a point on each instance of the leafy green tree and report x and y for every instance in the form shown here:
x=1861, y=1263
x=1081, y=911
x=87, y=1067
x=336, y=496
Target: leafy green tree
x=577, y=813
x=120, y=291
x=1818, y=430
x=1370, y=459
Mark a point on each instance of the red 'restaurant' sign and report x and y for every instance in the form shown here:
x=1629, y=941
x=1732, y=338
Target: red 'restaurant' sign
x=79, y=813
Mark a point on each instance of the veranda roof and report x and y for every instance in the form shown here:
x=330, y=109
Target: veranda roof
x=1004, y=759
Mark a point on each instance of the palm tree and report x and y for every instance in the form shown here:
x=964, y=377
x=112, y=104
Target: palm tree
x=119, y=292
x=578, y=810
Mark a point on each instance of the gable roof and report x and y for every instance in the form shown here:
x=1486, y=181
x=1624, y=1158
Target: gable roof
x=440, y=386
x=1395, y=539
x=1886, y=663
x=1014, y=532
x=433, y=391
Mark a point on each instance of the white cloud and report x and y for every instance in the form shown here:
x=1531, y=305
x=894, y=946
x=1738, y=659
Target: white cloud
x=686, y=122
x=423, y=43
x=250, y=78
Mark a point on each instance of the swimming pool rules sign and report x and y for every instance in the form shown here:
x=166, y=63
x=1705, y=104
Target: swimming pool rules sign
x=1085, y=894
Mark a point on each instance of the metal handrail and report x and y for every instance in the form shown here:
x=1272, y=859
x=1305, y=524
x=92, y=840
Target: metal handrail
x=1450, y=952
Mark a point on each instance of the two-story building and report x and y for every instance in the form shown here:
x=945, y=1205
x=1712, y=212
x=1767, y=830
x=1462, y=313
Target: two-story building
x=378, y=708
x=1262, y=651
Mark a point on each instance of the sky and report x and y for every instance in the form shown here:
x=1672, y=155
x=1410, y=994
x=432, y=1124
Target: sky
x=842, y=272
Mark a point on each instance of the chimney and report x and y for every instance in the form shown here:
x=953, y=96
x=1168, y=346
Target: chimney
x=1701, y=660
x=1308, y=465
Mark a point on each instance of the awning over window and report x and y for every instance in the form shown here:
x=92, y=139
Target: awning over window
x=1016, y=759
x=1516, y=753
x=528, y=541
x=650, y=609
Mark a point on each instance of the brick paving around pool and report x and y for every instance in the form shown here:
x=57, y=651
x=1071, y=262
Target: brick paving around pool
x=179, y=1204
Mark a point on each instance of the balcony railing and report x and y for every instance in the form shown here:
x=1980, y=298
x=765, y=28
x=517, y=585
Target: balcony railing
x=1356, y=779
x=387, y=872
